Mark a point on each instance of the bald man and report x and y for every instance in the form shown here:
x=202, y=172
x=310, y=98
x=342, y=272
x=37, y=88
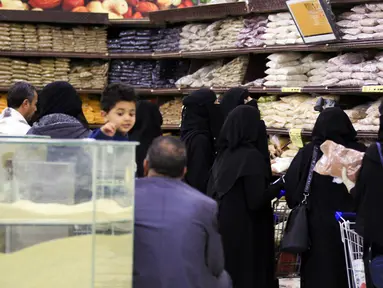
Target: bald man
x=177, y=244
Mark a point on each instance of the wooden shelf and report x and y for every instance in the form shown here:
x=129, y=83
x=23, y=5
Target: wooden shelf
x=53, y=17
x=171, y=127
x=54, y=54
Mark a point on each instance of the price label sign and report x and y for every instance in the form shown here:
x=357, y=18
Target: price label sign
x=372, y=89
x=291, y=89
x=314, y=19
x=296, y=137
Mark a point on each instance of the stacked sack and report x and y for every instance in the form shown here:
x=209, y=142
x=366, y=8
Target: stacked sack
x=353, y=69
x=216, y=74
x=227, y=34
x=45, y=37
x=17, y=37
x=221, y=34
x=88, y=74
x=30, y=37
x=195, y=37
x=201, y=77
x=136, y=41
x=147, y=74
x=281, y=30
x=92, y=110
x=357, y=113
x=68, y=40
x=231, y=74
x=19, y=71
x=171, y=112
x=371, y=121
x=363, y=22
x=295, y=111
x=167, y=40
x=3, y=102
x=48, y=71
x=5, y=72
x=251, y=34
x=317, y=64
x=5, y=36
x=34, y=72
x=287, y=70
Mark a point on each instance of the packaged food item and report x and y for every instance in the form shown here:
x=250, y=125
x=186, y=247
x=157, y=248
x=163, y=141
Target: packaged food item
x=335, y=157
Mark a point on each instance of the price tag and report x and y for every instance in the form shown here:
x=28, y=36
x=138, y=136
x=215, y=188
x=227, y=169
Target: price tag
x=372, y=89
x=296, y=137
x=291, y=89
x=314, y=20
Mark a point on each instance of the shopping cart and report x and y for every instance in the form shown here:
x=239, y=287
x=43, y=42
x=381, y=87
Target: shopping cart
x=287, y=265
x=353, y=250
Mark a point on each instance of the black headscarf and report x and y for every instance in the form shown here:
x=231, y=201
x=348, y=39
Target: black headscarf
x=333, y=124
x=200, y=115
x=238, y=155
x=61, y=98
x=145, y=130
x=233, y=98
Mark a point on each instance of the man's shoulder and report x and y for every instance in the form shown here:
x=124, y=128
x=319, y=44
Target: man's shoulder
x=181, y=189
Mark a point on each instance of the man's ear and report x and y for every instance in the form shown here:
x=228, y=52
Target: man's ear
x=25, y=103
x=146, y=167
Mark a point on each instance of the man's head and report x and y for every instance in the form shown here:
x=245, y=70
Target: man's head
x=23, y=97
x=118, y=105
x=166, y=157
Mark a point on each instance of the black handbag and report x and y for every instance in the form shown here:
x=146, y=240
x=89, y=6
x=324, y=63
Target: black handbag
x=296, y=238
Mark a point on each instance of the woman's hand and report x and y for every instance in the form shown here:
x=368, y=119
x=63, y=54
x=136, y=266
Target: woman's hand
x=349, y=184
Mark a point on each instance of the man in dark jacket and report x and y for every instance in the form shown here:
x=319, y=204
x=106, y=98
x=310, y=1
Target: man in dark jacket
x=176, y=243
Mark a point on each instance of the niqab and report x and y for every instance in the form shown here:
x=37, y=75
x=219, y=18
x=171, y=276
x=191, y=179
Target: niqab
x=200, y=115
x=232, y=99
x=238, y=155
x=61, y=98
x=146, y=129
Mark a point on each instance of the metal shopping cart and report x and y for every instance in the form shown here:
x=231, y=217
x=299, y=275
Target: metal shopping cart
x=353, y=250
x=287, y=265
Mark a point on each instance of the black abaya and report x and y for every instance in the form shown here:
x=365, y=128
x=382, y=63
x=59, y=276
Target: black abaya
x=239, y=182
x=324, y=264
x=145, y=130
x=232, y=99
x=201, y=123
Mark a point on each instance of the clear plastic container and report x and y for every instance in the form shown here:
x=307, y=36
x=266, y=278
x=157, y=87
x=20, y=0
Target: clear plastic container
x=66, y=213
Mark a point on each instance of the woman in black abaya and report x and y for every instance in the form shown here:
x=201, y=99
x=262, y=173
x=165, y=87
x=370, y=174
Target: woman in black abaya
x=232, y=99
x=369, y=199
x=324, y=264
x=239, y=181
x=201, y=123
x=145, y=130
x=240, y=96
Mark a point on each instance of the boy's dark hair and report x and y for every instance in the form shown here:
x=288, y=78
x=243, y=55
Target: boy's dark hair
x=18, y=93
x=167, y=156
x=115, y=93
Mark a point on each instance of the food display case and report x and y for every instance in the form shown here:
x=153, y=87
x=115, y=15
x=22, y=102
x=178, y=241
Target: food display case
x=66, y=213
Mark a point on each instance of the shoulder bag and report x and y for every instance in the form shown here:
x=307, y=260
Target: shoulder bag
x=296, y=237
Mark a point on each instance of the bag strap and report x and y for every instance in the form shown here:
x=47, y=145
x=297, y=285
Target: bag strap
x=380, y=152
x=306, y=192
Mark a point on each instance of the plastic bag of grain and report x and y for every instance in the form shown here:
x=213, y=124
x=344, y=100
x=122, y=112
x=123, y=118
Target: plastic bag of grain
x=335, y=157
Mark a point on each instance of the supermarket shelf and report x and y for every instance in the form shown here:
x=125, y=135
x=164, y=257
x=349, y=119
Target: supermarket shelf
x=282, y=131
x=197, y=13
x=54, y=54
x=171, y=127
x=85, y=91
x=234, y=52
x=54, y=17
x=134, y=23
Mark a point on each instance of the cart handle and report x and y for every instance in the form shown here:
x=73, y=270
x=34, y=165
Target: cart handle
x=345, y=215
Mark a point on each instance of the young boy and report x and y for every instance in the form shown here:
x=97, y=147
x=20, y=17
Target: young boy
x=118, y=105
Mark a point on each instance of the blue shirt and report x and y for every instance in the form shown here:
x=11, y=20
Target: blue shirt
x=99, y=135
